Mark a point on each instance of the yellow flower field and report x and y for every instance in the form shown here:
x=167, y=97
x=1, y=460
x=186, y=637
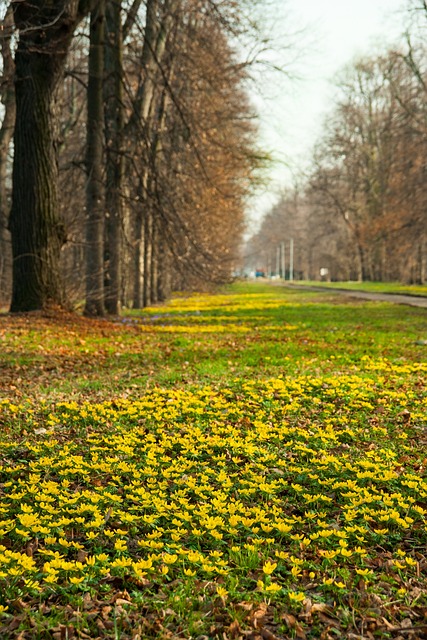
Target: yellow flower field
x=303, y=495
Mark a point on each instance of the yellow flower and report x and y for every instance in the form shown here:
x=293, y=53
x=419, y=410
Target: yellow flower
x=297, y=536
x=170, y=558
x=269, y=567
x=120, y=545
x=33, y=584
x=189, y=572
x=361, y=551
x=273, y=587
x=64, y=543
x=51, y=578
x=102, y=557
x=329, y=554
x=265, y=528
x=28, y=519
x=76, y=580
x=223, y=593
x=207, y=567
x=122, y=562
x=142, y=564
x=296, y=596
x=216, y=534
x=340, y=585
x=91, y=535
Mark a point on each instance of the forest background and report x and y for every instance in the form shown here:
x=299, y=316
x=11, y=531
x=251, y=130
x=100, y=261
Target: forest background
x=129, y=153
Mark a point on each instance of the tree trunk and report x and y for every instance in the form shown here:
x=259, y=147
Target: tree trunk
x=114, y=119
x=94, y=168
x=163, y=267
x=45, y=35
x=7, y=97
x=153, y=262
x=138, y=284
x=148, y=223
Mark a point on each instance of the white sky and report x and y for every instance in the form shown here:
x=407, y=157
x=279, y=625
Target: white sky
x=334, y=33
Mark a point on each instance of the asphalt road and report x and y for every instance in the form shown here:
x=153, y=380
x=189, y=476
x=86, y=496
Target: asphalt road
x=397, y=298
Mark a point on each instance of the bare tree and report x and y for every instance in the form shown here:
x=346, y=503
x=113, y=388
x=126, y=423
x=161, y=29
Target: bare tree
x=45, y=33
x=7, y=97
x=114, y=124
x=95, y=167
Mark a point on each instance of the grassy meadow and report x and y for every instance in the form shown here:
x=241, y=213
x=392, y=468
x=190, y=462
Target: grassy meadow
x=247, y=464
x=374, y=287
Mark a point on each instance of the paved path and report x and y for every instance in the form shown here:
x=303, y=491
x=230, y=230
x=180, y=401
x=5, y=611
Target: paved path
x=397, y=298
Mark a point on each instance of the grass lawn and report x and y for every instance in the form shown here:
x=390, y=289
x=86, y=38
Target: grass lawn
x=374, y=287
x=249, y=464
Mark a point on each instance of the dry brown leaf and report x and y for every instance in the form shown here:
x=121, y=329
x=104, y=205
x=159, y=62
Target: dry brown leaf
x=329, y=621
x=308, y=605
x=388, y=624
x=289, y=619
x=234, y=629
x=268, y=635
x=258, y=615
x=320, y=607
x=106, y=612
x=82, y=555
x=121, y=601
x=406, y=623
x=300, y=633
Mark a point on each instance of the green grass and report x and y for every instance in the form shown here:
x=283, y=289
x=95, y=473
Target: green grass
x=374, y=287
x=251, y=462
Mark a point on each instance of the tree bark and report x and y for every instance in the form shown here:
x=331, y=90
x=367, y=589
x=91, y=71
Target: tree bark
x=45, y=33
x=153, y=262
x=148, y=225
x=138, y=282
x=7, y=97
x=163, y=268
x=114, y=118
x=94, y=168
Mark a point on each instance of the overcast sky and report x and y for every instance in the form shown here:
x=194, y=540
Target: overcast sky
x=333, y=33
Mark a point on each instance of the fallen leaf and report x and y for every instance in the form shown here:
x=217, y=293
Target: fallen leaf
x=289, y=619
x=234, y=629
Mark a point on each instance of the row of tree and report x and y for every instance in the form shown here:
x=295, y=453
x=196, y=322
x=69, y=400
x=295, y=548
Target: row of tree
x=361, y=213
x=133, y=149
